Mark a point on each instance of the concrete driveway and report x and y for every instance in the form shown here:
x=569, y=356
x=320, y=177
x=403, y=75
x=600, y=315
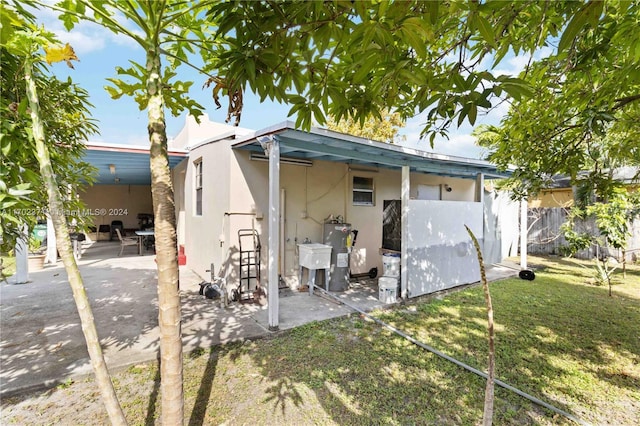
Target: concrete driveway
x=41, y=341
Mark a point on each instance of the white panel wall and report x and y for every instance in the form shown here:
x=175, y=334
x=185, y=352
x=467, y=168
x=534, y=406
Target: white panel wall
x=439, y=250
x=502, y=226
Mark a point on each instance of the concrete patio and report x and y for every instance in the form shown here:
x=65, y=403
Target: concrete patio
x=42, y=343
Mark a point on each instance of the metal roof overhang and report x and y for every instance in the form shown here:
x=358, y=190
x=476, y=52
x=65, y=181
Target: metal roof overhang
x=131, y=163
x=327, y=145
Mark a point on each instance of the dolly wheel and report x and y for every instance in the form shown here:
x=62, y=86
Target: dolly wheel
x=235, y=295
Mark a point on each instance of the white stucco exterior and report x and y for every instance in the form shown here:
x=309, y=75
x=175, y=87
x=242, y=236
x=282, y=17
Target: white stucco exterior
x=235, y=195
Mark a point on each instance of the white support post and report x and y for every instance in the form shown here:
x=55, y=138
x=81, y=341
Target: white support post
x=273, y=148
x=523, y=233
x=480, y=188
x=22, y=261
x=406, y=187
x=52, y=252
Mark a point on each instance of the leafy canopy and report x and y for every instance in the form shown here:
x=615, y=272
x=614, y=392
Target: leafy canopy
x=386, y=129
x=66, y=118
x=355, y=59
x=585, y=108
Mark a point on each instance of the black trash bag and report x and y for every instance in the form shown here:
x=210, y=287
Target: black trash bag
x=527, y=274
x=210, y=291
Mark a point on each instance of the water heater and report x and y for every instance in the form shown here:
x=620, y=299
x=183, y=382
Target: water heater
x=338, y=236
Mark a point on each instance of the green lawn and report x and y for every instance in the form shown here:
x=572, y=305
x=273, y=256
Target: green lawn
x=558, y=338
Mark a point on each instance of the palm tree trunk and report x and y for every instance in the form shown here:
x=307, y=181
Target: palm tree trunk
x=166, y=252
x=56, y=210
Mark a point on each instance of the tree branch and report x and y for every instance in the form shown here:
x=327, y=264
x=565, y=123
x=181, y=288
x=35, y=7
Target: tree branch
x=620, y=102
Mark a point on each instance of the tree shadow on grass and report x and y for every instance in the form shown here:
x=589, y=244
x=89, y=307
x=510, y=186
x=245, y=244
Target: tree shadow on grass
x=349, y=371
x=201, y=403
x=150, y=419
x=556, y=340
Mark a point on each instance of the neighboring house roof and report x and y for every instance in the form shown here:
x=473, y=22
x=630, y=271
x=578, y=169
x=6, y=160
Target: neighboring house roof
x=627, y=175
x=327, y=145
x=130, y=163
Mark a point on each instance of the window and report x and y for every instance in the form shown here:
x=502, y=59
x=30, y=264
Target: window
x=362, y=191
x=198, y=186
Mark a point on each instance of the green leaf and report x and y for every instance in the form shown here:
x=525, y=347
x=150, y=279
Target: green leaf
x=486, y=30
x=575, y=25
x=463, y=114
x=250, y=66
x=432, y=10
x=6, y=146
x=473, y=113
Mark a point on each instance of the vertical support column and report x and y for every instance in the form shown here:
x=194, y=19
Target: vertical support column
x=406, y=186
x=273, y=150
x=479, y=188
x=22, y=262
x=52, y=252
x=523, y=233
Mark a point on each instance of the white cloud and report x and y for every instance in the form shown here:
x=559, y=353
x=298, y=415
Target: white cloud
x=517, y=64
x=460, y=142
x=85, y=37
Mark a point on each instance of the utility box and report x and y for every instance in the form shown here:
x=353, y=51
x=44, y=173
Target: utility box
x=315, y=256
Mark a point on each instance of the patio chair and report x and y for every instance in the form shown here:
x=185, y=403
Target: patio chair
x=124, y=242
x=116, y=224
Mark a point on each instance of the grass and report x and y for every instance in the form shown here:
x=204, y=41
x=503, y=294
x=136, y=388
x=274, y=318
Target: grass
x=7, y=267
x=558, y=338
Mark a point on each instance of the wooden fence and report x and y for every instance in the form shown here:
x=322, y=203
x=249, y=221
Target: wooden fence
x=544, y=236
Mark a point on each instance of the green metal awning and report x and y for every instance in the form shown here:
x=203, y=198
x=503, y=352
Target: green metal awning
x=327, y=145
x=124, y=164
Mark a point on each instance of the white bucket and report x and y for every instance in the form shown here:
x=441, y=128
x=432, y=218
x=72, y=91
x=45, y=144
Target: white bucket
x=387, y=289
x=390, y=265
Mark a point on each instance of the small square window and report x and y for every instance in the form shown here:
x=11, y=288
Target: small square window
x=363, y=194
x=198, y=187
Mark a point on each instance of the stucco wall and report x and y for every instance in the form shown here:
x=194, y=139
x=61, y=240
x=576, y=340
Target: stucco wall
x=202, y=232
x=236, y=191
x=562, y=197
x=116, y=200
x=368, y=219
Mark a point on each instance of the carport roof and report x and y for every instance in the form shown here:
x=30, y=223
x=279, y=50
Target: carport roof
x=131, y=163
x=327, y=145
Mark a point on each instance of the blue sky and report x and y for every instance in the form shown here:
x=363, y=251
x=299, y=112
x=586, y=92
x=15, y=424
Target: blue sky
x=121, y=122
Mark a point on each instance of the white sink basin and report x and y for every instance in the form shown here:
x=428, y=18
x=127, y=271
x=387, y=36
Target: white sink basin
x=315, y=256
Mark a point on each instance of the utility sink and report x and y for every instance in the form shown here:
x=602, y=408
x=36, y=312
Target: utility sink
x=315, y=256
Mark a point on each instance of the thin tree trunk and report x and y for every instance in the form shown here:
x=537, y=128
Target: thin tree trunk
x=166, y=252
x=487, y=418
x=66, y=253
